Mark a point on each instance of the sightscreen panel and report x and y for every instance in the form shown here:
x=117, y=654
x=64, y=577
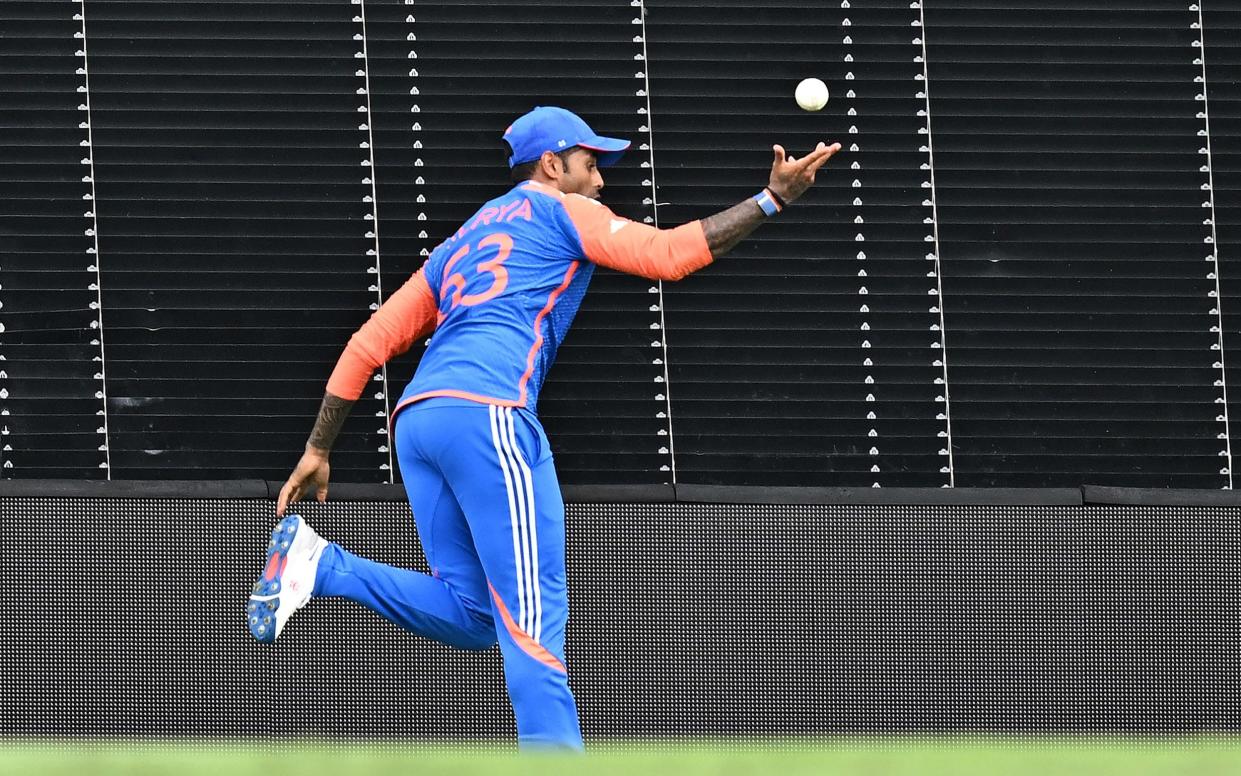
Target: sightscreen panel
x=812, y=353
x=1221, y=31
x=447, y=80
x=1078, y=274
x=1008, y=278
x=51, y=375
x=232, y=232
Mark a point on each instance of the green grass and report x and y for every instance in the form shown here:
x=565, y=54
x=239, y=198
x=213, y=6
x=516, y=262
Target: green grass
x=1010, y=757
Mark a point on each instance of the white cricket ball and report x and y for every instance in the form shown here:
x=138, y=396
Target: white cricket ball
x=811, y=94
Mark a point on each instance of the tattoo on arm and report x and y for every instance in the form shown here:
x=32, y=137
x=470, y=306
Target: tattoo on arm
x=729, y=227
x=332, y=414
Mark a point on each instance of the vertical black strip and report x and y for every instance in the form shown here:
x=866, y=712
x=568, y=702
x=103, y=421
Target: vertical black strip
x=49, y=342
x=1070, y=212
x=1221, y=36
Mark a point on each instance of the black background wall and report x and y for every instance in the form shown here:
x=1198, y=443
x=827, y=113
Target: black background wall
x=126, y=617
x=1021, y=272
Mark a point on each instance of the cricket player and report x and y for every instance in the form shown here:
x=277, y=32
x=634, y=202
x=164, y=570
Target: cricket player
x=499, y=296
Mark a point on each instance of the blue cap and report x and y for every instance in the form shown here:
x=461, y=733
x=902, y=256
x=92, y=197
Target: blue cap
x=555, y=129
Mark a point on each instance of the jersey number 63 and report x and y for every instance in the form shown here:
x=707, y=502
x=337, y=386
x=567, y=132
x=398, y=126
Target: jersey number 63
x=453, y=288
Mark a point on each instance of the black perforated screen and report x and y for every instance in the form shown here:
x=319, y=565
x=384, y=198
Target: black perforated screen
x=125, y=617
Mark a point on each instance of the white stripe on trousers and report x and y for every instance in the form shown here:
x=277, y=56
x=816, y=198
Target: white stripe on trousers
x=525, y=549
x=512, y=508
x=533, y=539
x=519, y=488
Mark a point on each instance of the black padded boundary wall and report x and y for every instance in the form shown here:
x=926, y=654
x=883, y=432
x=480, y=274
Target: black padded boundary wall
x=648, y=494
x=123, y=617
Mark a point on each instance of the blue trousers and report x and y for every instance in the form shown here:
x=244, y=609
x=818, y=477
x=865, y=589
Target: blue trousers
x=482, y=486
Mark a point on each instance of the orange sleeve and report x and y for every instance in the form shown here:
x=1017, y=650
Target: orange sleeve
x=635, y=248
x=407, y=315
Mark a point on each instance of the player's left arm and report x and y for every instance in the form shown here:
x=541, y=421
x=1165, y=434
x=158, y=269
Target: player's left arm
x=408, y=314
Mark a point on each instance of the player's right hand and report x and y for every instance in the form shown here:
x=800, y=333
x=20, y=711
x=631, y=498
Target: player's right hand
x=311, y=472
x=791, y=177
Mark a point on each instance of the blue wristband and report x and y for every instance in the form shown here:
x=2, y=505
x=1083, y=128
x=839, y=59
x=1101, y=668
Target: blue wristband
x=767, y=202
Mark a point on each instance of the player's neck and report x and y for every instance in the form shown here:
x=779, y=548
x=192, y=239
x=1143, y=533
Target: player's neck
x=543, y=180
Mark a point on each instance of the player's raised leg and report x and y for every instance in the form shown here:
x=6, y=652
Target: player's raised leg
x=288, y=578
x=450, y=605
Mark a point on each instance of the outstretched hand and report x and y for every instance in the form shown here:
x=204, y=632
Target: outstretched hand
x=791, y=177
x=311, y=472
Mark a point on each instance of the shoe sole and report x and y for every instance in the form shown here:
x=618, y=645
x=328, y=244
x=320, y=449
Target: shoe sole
x=265, y=593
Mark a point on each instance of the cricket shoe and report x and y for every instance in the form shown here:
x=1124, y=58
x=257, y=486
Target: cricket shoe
x=288, y=577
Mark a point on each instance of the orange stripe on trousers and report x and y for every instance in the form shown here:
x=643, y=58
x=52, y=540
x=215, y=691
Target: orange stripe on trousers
x=533, y=648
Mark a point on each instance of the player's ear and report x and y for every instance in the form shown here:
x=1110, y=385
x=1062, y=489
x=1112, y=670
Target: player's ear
x=551, y=164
